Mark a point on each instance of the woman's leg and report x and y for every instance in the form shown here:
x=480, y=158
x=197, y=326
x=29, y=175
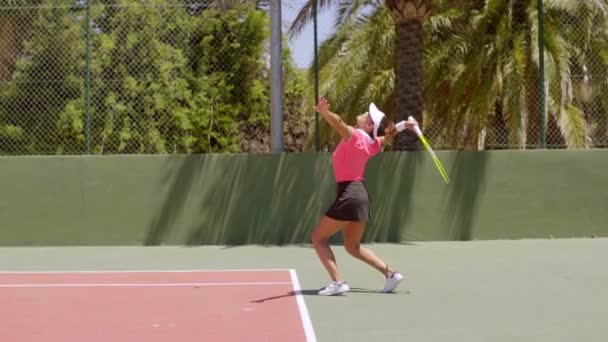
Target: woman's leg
x=320, y=240
x=352, y=242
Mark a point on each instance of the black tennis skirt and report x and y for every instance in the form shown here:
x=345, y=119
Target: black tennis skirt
x=351, y=204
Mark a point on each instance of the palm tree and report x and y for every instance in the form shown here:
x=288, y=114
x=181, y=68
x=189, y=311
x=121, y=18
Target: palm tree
x=408, y=17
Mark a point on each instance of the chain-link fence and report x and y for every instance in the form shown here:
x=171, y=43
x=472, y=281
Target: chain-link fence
x=192, y=76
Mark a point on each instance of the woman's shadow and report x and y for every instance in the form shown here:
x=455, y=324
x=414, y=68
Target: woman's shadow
x=288, y=294
x=316, y=293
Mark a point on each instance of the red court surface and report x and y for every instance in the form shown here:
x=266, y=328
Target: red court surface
x=180, y=306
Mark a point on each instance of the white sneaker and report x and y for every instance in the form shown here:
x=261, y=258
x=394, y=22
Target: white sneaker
x=334, y=288
x=392, y=282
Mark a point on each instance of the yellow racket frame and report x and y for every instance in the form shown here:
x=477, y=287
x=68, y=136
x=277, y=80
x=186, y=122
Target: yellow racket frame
x=435, y=159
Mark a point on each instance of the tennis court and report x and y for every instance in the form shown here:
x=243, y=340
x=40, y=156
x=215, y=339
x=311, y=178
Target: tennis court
x=152, y=306
x=505, y=290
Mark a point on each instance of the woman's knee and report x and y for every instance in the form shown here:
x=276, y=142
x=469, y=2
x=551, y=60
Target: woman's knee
x=324, y=230
x=318, y=239
x=352, y=248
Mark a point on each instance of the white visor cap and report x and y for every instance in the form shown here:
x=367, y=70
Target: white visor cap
x=377, y=116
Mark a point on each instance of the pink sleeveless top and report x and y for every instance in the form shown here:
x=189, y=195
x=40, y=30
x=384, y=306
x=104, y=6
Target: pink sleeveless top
x=351, y=156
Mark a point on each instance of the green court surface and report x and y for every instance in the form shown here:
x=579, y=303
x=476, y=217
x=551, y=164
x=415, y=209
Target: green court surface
x=506, y=290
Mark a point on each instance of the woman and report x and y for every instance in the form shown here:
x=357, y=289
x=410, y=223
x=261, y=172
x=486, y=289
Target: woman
x=350, y=211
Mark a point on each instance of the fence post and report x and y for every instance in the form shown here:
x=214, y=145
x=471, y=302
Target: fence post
x=541, y=66
x=88, y=78
x=316, y=71
x=276, y=77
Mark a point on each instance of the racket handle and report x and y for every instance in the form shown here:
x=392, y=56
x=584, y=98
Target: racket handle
x=416, y=127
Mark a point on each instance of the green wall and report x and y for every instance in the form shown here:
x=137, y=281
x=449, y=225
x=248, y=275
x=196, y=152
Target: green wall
x=278, y=199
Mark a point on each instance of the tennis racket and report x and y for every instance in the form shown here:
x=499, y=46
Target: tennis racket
x=427, y=146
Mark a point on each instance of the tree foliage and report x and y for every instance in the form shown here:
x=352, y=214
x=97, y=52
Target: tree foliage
x=481, y=70
x=166, y=77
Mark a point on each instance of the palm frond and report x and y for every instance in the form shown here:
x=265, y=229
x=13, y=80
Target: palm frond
x=566, y=6
x=352, y=9
x=557, y=70
x=380, y=88
x=443, y=22
x=305, y=15
x=573, y=127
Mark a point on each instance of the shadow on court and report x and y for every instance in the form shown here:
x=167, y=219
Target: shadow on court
x=288, y=294
x=316, y=294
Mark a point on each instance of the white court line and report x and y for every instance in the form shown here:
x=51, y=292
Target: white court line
x=308, y=330
x=144, y=284
x=148, y=271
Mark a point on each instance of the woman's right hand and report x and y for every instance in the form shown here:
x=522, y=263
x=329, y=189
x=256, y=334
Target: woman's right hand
x=322, y=105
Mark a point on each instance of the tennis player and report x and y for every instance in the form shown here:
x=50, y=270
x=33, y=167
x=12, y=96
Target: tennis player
x=350, y=211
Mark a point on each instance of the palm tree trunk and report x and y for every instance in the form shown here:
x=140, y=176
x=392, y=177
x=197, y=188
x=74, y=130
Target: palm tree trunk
x=408, y=80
